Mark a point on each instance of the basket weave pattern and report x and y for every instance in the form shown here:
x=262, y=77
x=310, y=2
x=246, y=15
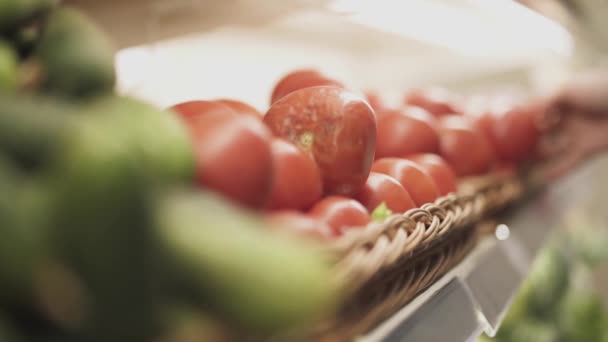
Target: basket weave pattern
x=387, y=264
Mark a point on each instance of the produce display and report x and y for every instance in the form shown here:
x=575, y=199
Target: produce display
x=208, y=220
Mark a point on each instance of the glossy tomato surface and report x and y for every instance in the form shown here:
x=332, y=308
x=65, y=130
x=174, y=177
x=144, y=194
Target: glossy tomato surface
x=374, y=100
x=340, y=213
x=439, y=169
x=437, y=101
x=190, y=110
x=465, y=148
x=381, y=188
x=241, y=107
x=294, y=222
x=333, y=126
x=402, y=132
x=412, y=177
x=515, y=132
x=233, y=157
x=297, y=180
x=300, y=79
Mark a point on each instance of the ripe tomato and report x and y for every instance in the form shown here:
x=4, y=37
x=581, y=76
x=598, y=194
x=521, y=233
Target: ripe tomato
x=297, y=181
x=466, y=149
x=515, y=132
x=241, y=107
x=300, y=224
x=437, y=101
x=340, y=213
x=300, y=79
x=404, y=132
x=374, y=100
x=190, y=110
x=438, y=169
x=418, y=183
x=335, y=127
x=233, y=157
x=381, y=188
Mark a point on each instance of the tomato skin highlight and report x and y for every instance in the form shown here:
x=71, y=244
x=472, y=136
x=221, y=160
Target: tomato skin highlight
x=437, y=101
x=295, y=222
x=404, y=132
x=464, y=147
x=241, y=108
x=297, y=180
x=374, y=100
x=439, y=169
x=191, y=110
x=381, y=188
x=340, y=213
x=300, y=79
x=418, y=183
x=233, y=157
x=333, y=126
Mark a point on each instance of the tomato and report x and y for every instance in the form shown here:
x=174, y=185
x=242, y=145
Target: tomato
x=437, y=101
x=381, y=188
x=300, y=79
x=190, y=110
x=438, y=169
x=297, y=181
x=374, y=100
x=418, y=183
x=333, y=126
x=233, y=157
x=515, y=132
x=241, y=107
x=404, y=132
x=340, y=213
x=465, y=148
x=300, y=224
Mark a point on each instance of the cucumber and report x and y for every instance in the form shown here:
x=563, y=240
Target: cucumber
x=226, y=262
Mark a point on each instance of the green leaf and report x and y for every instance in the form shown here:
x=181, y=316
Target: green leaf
x=381, y=212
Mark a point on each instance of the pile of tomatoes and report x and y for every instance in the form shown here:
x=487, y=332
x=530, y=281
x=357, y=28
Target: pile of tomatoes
x=323, y=159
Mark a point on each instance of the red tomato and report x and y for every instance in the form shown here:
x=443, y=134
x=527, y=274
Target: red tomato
x=438, y=169
x=405, y=132
x=466, y=149
x=233, y=157
x=374, y=100
x=300, y=79
x=297, y=181
x=438, y=101
x=418, y=183
x=340, y=213
x=241, y=107
x=335, y=127
x=300, y=224
x=381, y=188
x=193, y=109
x=515, y=132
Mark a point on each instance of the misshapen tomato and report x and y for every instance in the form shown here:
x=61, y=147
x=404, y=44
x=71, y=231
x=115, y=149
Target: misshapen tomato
x=241, y=107
x=335, y=127
x=297, y=181
x=233, y=157
x=300, y=79
x=465, y=148
x=294, y=222
x=404, y=132
x=418, y=183
x=437, y=101
x=438, y=169
x=340, y=213
x=191, y=110
x=381, y=188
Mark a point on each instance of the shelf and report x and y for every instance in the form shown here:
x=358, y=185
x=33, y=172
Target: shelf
x=474, y=296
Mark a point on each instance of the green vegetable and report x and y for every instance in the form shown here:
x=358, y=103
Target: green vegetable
x=548, y=281
x=228, y=263
x=534, y=331
x=581, y=316
x=8, y=67
x=76, y=57
x=16, y=12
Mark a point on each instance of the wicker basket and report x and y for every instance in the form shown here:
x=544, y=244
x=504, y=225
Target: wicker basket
x=387, y=264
